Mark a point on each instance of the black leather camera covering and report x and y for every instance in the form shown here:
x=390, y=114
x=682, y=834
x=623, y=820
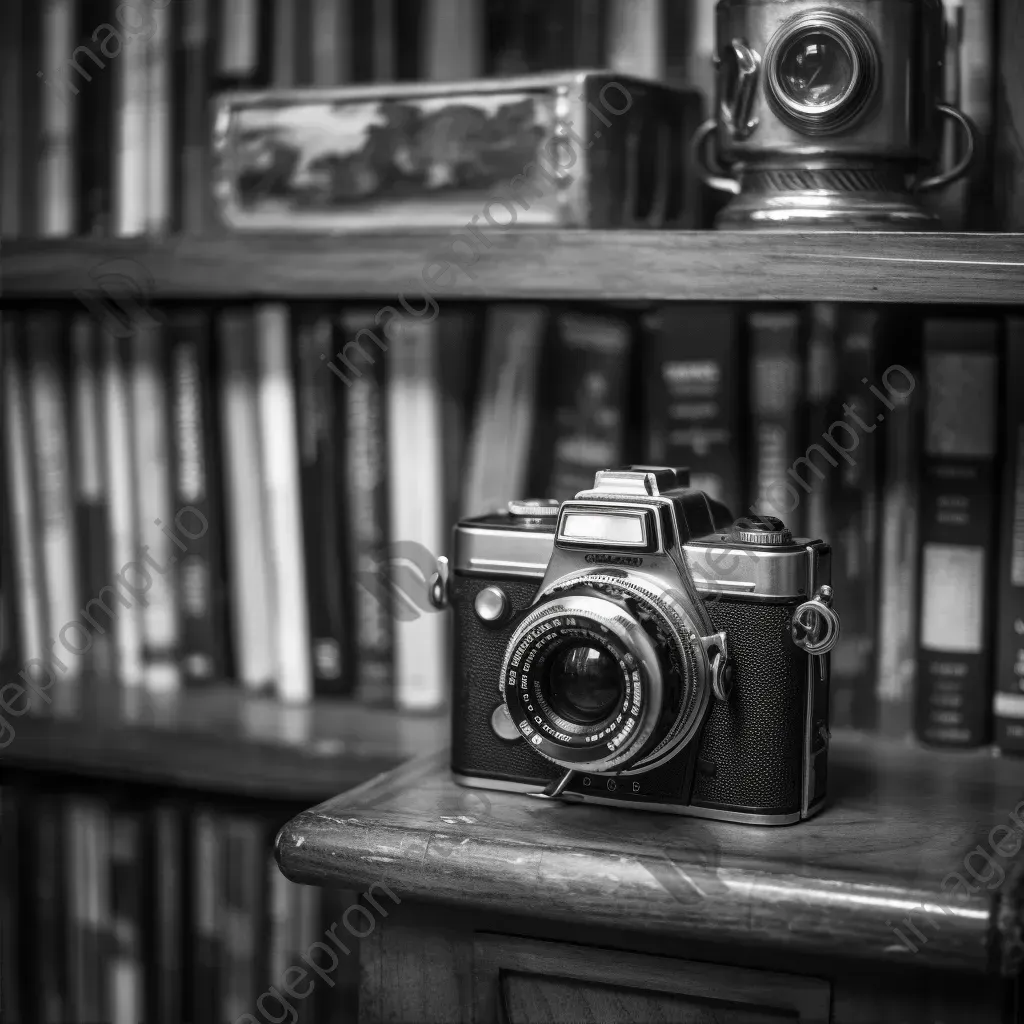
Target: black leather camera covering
x=749, y=753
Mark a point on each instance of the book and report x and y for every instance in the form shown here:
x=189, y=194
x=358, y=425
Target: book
x=67, y=638
x=121, y=613
x=452, y=40
x=636, y=34
x=1008, y=159
x=166, y=941
x=156, y=581
x=242, y=919
x=1008, y=700
x=581, y=425
x=131, y=138
x=279, y=451
x=127, y=969
x=15, y=124
x=90, y=488
x=284, y=72
x=57, y=177
x=24, y=522
x=12, y=918
x=321, y=449
x=205, y=942
x=198, y=530
x=693, y=397
x=776, y=358
x=331, y=35
x=501, y=437
x=848, y=456
x=366, y=500
x=958, y=523
x=159, y=160
x=899, y=513
x=190, y=118
x=88, y=866
x=48, y=988
x=238, y=52
x=254, y=642
x=415, y=465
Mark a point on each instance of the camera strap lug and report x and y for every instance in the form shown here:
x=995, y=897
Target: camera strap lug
x=815, y=624
x=716, y=647
x=555, y=789
x=437, y=589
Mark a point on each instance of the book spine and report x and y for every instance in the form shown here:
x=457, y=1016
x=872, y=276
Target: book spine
x=416, y=466
x=636, y=36
x=131, y=109
x=331, y=22
x=776, y=386
x=899, y=546
x=127, y=969
x=285, y=19
x=953, y=699
x=51, y=433
x=25, y=535
x=249, y=580
x=590, y=378
x=694, y=397
x=366, y=499
x=239, y=39
x=57, y=213
x=852, y=455
x=12, y=920
x=1009, y=128
x=13, y=122
x=822, y=370
x=200, y=565
x=242, y=920
x=166, y=1004
x=159, y=159
x=452, y=40
x=279, y=447
x=322, y=502
x=94, y=131
x=1009, y=690
x=49, y=980
x=500, y=441
x=207, y=911
x=154, y=510
x=385, y=27
x=32, y=87
x=122, y=615
x=90, y=486
x=592, y=34
x=191, y=117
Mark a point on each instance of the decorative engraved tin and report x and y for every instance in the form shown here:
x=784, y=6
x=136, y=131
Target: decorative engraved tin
x=572, y=149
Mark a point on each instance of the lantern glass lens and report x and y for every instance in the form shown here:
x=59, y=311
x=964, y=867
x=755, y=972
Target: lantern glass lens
x=816, y=69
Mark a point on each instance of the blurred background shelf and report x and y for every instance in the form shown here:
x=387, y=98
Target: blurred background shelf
x=572, y=265
x=221, y=741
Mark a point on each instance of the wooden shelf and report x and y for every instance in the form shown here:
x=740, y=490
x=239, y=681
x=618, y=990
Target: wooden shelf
x=573, y=265
x=220, y=740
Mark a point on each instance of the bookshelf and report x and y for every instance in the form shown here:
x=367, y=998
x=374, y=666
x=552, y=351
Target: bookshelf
x=221, y=741
x=627, y=266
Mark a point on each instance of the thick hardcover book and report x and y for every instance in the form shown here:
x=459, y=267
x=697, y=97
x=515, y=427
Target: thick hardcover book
x=15, y=126
x=453, y=39
x=90, y=935
x=242, y=922
x=93, y=516
x=500, y=441
x=366, y=499
x=22, y=508
x=331, y=23
x=238, y=38
x=190, y=112
x=776, y=387
x=128, y=898
x=321, y=448
x=159, y=97
x=207, y=912
x=165, y=939
x=158, y=529
x=116, y=610
x=197, y=532
x=279, y=451
x=694, y=384
x=415, y=462
x=48, y=399
x=254, y=643
x=131, y=149
x=848, y=456
x=58, y=215
x=900, y=451
x=582, y=423
x=958, y=525
x=1009, y=690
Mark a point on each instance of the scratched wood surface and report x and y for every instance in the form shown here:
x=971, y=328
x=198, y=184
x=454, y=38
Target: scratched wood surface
x=900, y=820
x=583, y=265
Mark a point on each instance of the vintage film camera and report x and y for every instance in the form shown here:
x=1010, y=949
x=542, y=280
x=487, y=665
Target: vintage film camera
x=635, y=646
x=828, y=114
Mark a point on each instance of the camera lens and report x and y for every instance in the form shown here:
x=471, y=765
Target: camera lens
x=584, y=684
x=822, y=71
x=816, y=69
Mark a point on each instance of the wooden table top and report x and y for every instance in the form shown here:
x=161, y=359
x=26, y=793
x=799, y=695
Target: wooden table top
x=916, y=859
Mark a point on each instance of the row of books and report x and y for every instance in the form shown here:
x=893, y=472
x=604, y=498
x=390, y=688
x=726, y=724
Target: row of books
x=120, y=909
x=106, y=105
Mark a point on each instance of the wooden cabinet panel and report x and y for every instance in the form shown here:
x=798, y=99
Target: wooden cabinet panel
x=523, y=981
